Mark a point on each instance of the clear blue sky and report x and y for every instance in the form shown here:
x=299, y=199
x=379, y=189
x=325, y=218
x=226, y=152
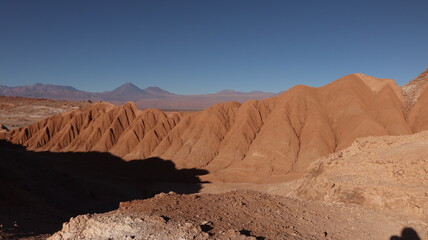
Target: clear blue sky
x=203, y=46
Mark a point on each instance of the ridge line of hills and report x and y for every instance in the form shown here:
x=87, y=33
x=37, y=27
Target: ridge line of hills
x=150, y=97
x=265, y=140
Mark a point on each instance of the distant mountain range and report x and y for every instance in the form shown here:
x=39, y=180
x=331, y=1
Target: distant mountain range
x=151, y=97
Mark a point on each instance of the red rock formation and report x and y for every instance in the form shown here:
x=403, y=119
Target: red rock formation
x=257, y=141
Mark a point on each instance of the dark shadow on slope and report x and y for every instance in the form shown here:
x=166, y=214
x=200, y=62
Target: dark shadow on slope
x=407, y=234
x=41, y=190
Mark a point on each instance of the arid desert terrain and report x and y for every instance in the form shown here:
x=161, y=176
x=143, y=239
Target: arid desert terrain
x=348, y=160
x=20, y=111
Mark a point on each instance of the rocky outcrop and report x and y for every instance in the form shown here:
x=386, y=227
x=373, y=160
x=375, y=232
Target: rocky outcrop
x=236, y=215
x=381, y=172
x=413, y=90
x=126, y=227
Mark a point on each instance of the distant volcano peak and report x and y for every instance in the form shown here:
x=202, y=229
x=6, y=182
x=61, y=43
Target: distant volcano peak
x=129, y=85
x=157, y=91
x=127, y=88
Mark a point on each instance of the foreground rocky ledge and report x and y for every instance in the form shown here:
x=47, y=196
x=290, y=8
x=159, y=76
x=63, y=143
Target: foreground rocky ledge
x=237, y=215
